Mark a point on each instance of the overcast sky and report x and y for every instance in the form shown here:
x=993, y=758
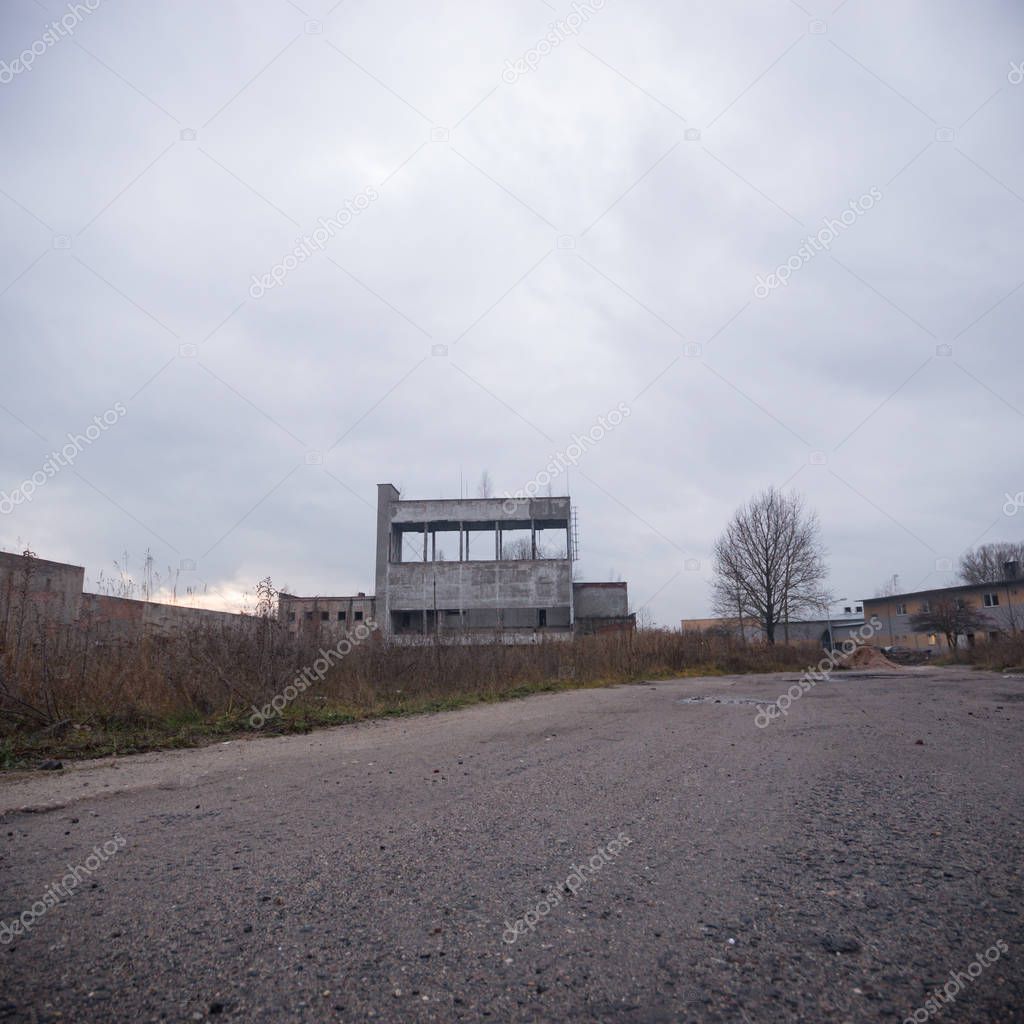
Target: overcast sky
x=537, y=237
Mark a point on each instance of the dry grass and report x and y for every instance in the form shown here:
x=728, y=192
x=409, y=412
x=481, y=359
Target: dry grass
x=1005, y=653
x=83, y=692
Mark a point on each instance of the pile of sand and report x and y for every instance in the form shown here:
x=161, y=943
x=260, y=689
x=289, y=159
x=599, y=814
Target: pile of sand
x=867, y=657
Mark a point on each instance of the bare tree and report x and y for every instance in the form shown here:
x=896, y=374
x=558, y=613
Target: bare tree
x=520, y=549
x=987, y=563
x=769, y=564
x=484, y=488
x=951, y=618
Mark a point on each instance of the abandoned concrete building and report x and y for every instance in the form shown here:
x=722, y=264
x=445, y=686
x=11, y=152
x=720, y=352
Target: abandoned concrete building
x=485, y=566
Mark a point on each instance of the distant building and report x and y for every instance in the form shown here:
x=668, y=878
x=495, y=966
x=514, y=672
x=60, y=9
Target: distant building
x=829, y=631
x=485, y=567
x=324, y=616
x=1002, y=605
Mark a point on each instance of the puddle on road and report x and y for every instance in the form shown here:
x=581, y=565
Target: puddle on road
x=718, y=700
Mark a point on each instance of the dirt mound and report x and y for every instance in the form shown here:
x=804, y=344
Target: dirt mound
x=867, y=657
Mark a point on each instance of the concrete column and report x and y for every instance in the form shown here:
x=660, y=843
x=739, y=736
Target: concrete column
x=497, y=541
x=533, y=538
x=387, y=495
x=424, y=542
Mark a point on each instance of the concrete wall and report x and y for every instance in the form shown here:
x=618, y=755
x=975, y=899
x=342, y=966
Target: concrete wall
x=454, y=585
x=55, y=599
x=601, y=608
x=125, y=617
x=477, y=510
x=600, y=600
x=39, y=590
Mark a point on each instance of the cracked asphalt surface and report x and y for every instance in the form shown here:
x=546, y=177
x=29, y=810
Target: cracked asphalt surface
x=834, y=866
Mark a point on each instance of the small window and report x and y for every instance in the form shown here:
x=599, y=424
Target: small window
x=926, y=606
x=291, y=616
x=961, y=604
x=341, y=616
x=543, y=616
x=406, y=620
x=991, y=600
x=993, y=635
x=308, y=616
x=901, y=609
x=324, y=616
x=847, y=609
x=932, y=640
x=359, y=616
x=860, y=607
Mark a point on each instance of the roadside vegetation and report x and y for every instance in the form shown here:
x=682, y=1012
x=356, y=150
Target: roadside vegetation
x=1005, y=654
x=77, y=692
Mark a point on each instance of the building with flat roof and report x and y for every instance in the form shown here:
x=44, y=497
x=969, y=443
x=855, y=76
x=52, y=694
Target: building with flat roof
x=999, y=606
x=485, y=566
x=324, y=616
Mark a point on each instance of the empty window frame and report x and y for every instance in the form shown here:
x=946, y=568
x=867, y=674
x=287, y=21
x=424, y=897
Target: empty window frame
x=481, y=542
x=517, y=544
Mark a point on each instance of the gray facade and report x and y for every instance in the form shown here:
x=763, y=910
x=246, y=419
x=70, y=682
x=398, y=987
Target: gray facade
x=601, y=607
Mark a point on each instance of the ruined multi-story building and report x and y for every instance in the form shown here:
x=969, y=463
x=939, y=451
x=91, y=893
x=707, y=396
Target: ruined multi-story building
x=484, y=566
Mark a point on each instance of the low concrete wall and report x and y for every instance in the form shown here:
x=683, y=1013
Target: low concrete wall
x=125, y=617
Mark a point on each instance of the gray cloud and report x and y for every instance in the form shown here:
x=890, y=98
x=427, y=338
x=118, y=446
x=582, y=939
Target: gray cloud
x=566, y=240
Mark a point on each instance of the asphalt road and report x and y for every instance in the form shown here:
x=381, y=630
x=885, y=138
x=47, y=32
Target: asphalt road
x=834, y=866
